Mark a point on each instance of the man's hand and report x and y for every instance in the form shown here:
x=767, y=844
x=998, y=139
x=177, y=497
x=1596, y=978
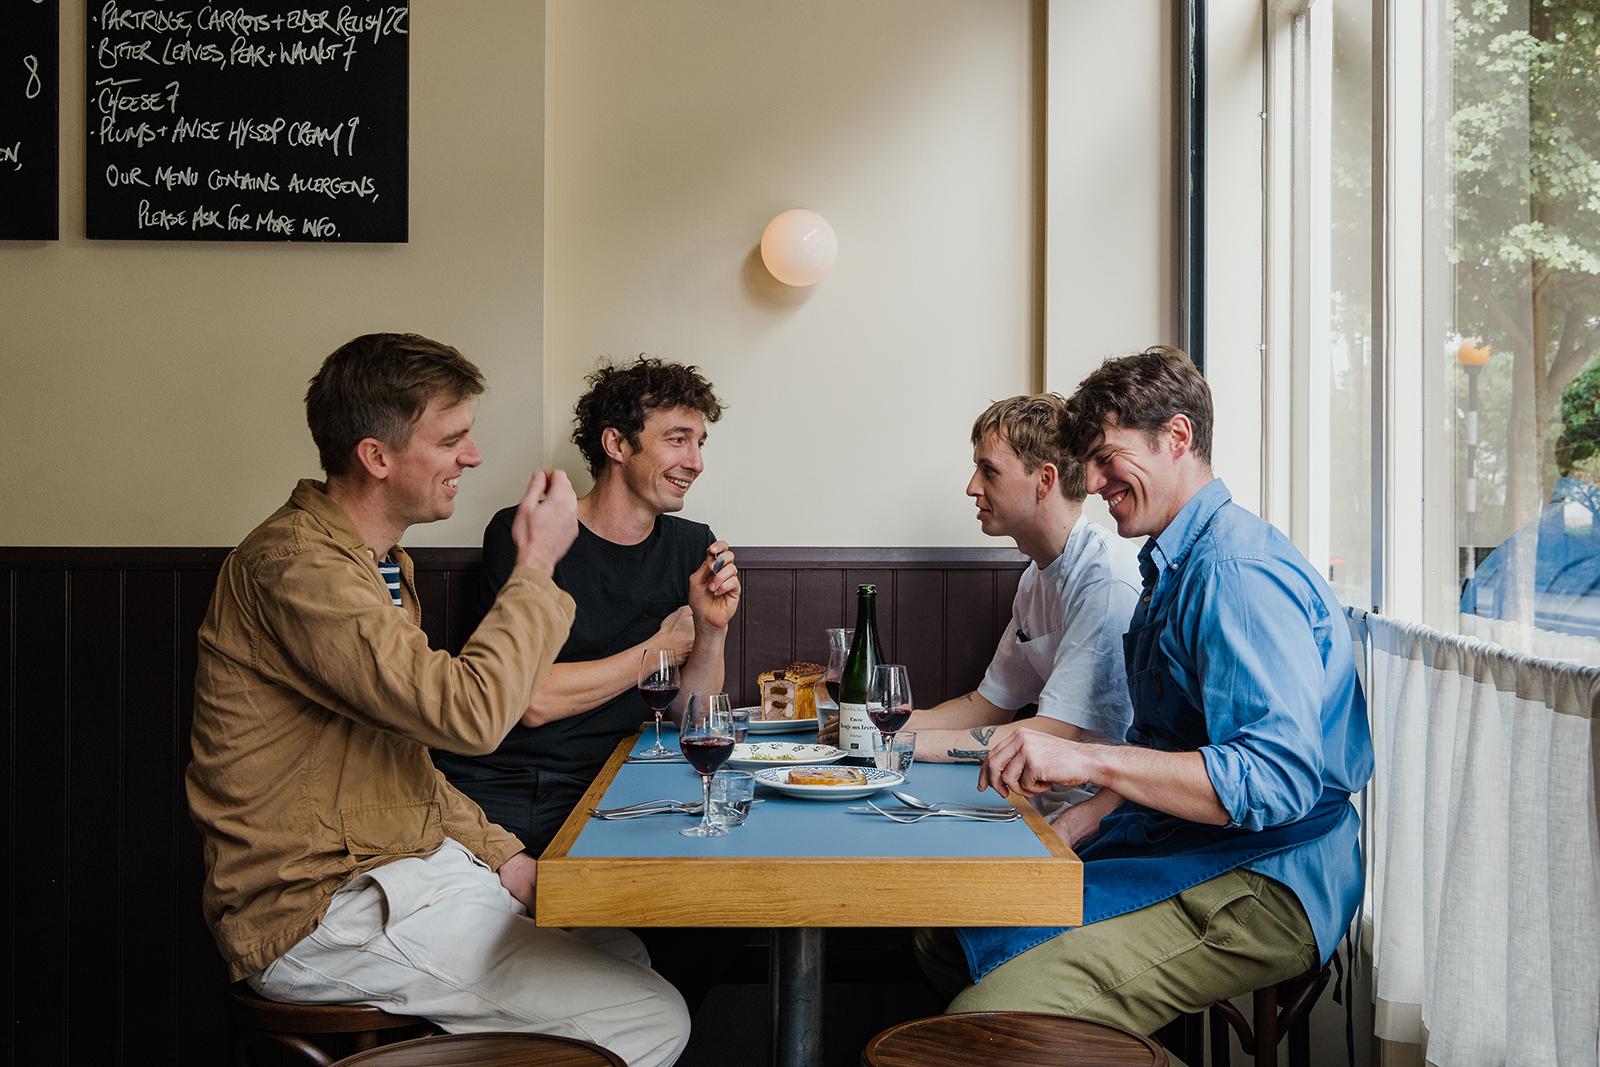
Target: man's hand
x=1030, y=762
x=546, y=522
x=676, y=634
x=518, y=874
x=714, y=597
x=1081, y=821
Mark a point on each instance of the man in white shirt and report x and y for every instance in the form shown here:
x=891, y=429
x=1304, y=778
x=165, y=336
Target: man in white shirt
x=1063, y=646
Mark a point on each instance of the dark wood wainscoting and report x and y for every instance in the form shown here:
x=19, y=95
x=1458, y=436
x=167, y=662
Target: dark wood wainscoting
x=108, y=961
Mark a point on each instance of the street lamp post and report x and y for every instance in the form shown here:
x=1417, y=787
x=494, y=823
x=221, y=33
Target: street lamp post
x=1472, y=354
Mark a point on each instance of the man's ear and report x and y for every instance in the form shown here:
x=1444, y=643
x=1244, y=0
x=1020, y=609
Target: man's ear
x=1180, y=433
x=612, y=443
x=373, y=456
x=1049, y=477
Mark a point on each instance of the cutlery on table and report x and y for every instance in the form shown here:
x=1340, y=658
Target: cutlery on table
x=915, y=815
x=947, y=805
x=647, y=807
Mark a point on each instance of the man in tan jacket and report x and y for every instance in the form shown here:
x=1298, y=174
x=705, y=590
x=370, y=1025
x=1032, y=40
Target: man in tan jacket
x=340, y=865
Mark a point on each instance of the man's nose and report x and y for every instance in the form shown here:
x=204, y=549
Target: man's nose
x=696, y=460
x=972, y=485
x=1094, y=479
x=469, y=456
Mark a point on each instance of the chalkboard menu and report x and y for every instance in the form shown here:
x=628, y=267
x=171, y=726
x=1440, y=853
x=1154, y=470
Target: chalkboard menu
x=28, y=101
x=254, y=120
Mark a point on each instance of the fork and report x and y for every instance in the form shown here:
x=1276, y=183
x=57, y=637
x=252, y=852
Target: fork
x=909, y=819
x=949, y=805
x=647, y=807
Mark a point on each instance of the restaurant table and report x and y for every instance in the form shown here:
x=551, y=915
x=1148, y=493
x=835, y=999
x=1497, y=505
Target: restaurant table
x=799, y=866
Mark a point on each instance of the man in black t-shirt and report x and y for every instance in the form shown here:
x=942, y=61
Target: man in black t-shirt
x=641, y=577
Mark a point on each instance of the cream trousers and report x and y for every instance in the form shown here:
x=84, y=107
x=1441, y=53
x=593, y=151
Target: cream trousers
x=440, y=938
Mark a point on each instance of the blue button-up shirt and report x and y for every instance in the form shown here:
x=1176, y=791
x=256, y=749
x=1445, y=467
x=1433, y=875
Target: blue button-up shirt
x=1252, y=637
x=1238, y=650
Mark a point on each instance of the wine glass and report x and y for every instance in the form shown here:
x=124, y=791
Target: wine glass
x=891, y=700
x=659, y=680
x=706, y=738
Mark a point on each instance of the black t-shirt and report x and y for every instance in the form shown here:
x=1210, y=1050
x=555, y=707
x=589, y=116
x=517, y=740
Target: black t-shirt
x=623, y=592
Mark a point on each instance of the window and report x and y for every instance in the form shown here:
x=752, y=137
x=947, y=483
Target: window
x=1481, y=345
x=1520, y=99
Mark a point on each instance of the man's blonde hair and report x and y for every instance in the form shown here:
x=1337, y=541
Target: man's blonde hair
x=1031, y=426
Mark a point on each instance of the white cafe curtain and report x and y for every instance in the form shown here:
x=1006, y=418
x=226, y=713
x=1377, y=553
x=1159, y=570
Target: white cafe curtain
x=1484, y=882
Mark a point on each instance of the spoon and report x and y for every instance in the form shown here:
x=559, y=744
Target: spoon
x=914, y=802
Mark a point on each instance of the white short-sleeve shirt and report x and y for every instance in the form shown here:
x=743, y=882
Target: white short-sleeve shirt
x=1063, y=646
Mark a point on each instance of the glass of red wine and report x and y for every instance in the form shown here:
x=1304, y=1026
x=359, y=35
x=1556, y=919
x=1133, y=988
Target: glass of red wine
x=891, y=705
x=659, y=679
x=706, y=738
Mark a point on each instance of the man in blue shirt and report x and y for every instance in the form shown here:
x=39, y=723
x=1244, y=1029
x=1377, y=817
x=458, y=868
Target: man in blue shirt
x=1234, y=863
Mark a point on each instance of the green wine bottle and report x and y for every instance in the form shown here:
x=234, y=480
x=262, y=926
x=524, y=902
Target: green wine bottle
x=855, y=684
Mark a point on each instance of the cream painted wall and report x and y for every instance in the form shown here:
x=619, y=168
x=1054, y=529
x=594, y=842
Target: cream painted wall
x=152, y=392
x=1235, y=245
x=1109, y=210
x=616, y=166
x=1111, y=226
x=675, y=131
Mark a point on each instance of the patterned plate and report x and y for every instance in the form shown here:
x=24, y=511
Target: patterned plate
x=778, y=778
x=760, y=754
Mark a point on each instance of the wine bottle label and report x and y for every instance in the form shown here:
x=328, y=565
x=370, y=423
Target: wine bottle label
x=855, y=729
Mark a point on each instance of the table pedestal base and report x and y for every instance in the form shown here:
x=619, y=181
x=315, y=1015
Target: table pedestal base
x=795, y=978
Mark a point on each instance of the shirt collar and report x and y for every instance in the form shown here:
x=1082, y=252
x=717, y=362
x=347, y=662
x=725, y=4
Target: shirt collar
x=1060, y=563
x=1168, y=549
x=312, y=497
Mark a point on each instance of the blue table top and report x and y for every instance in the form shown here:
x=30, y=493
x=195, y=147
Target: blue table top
x=789, y=826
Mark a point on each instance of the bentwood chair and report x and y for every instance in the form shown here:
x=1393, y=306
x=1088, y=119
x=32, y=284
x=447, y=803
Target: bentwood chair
x=1282, y=1010
x=487, y=1050
x=1009, y=1039
x=273, y=1032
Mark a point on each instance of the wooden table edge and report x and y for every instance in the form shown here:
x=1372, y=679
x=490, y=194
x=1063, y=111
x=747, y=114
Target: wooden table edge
x=579, y=817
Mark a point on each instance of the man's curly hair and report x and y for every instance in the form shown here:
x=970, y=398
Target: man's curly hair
x=622, y=397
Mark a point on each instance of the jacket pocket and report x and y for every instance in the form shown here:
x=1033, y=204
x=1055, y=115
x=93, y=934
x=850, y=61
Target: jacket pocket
x=391, y=829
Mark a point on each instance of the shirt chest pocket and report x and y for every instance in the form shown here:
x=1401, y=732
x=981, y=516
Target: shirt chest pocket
x=392, y=829
x=1039, y=653
x=1160, y=710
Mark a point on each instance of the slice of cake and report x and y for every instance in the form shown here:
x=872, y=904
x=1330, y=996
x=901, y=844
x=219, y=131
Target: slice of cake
x=807, y=679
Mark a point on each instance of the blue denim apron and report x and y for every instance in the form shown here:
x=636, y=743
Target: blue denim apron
x=1140, y=856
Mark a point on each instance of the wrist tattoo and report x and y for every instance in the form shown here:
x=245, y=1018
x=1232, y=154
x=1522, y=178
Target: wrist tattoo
x=968, y=755
x=981, y=734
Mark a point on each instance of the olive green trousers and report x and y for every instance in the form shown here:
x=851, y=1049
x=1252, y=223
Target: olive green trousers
x=1238, y=932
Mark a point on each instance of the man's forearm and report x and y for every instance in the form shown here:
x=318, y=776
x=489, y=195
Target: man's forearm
x=573, y=688
x=1173, y=782
x=702, y=671
x=959, y=713
x=971, y=746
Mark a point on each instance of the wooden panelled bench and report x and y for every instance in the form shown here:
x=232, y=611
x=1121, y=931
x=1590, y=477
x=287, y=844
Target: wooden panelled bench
x=110, y=961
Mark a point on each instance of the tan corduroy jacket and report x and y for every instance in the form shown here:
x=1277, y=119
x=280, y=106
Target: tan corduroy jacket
x=316, y=701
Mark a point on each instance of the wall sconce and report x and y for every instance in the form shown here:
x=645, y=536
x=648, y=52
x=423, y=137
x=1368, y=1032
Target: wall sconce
x=799, y=247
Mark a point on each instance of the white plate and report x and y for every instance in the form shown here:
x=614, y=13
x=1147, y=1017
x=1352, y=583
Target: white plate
x=779, y=726
x=778, y=778
x=786, y=753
